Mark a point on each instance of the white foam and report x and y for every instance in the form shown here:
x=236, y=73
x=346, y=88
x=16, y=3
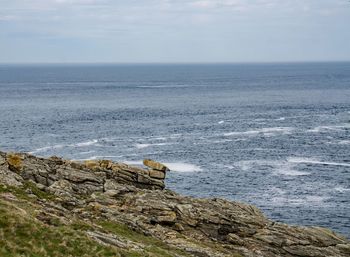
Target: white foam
x=308, y=200
x=141, y=146
x=217, y=141
x=246, y=165
x=315, y=130
x=47, y=148
x=277, y=167
x=100, y=157
x=87, y=152
x=83, y=144
x=341, y=189
x=164, y=86
x=315, y=161
x=329, y=128
x=344, y=142
x=224, y=166
x=315, y=199
x=60, y=146
x=276, y=190
x=281, y=118
x=291, y=172
x=230, y=167
x=265, y=131
x=221, y=122
x=183, y=167
x=160, y=138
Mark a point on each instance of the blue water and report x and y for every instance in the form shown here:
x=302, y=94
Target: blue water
x=273, y=135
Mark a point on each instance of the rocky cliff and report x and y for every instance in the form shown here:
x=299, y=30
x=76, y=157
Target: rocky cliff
x=55, y=207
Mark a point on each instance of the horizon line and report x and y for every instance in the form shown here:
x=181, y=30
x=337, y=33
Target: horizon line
x=173, y=63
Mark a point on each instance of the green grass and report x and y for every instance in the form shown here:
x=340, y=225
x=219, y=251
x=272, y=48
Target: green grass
x=21, y=235
x=39, y=193
x=21, y=192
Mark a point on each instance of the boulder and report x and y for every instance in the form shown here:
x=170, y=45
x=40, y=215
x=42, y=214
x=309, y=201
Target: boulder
x=14, y=162
x=157, y=174
x=155, y=165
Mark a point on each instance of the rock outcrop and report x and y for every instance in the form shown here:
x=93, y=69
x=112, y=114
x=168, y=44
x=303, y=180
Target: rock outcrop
x=85, y=177
x=106, y=191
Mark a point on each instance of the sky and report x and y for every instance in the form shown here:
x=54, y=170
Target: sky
x=174, y=31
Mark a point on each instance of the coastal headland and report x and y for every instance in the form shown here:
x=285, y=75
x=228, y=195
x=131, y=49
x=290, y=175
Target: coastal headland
x=56, y=207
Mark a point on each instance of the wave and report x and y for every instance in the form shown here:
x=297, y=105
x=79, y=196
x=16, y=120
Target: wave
x=277, y=167
x=219, y=141
x=265, y=131
x=319, y=129
x=316, y=161
x=87, y=143
x=87, y=152
x=47, y=148
x=183, y=167
x=291, y=172
x=276, y=190
x=141, y=146
x=160, y=138
x=164, y=86
x=313, y=200
x=60, y=146
x=280, y=119
x=341, y=189
x=269, y=119
x=285, y=167
x=101, y=157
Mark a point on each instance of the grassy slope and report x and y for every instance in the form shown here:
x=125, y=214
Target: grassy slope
x=21, y=234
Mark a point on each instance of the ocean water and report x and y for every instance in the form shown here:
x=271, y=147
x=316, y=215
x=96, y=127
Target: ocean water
x=273, y=135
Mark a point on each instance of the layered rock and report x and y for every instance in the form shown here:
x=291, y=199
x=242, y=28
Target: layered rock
x=86, y=177
x=158, y=170
x=103, y=190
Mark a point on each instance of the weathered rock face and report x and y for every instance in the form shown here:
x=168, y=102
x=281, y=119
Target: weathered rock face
x=155, y=165
x=200, y=227
x=86, y=177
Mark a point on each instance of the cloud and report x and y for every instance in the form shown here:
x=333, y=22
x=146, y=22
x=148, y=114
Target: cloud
x=8, y=17
x=207, y=4
x=76, y=1
x=215, y=26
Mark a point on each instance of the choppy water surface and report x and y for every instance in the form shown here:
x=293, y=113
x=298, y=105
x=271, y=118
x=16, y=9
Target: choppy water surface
x=275, y=135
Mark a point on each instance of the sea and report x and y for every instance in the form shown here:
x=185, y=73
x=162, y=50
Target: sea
x=273, y=135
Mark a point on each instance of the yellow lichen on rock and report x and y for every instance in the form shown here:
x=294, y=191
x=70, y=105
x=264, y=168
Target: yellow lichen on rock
x=155, y=165
x=106, y=164
x=92, y=164
x=14, y=162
